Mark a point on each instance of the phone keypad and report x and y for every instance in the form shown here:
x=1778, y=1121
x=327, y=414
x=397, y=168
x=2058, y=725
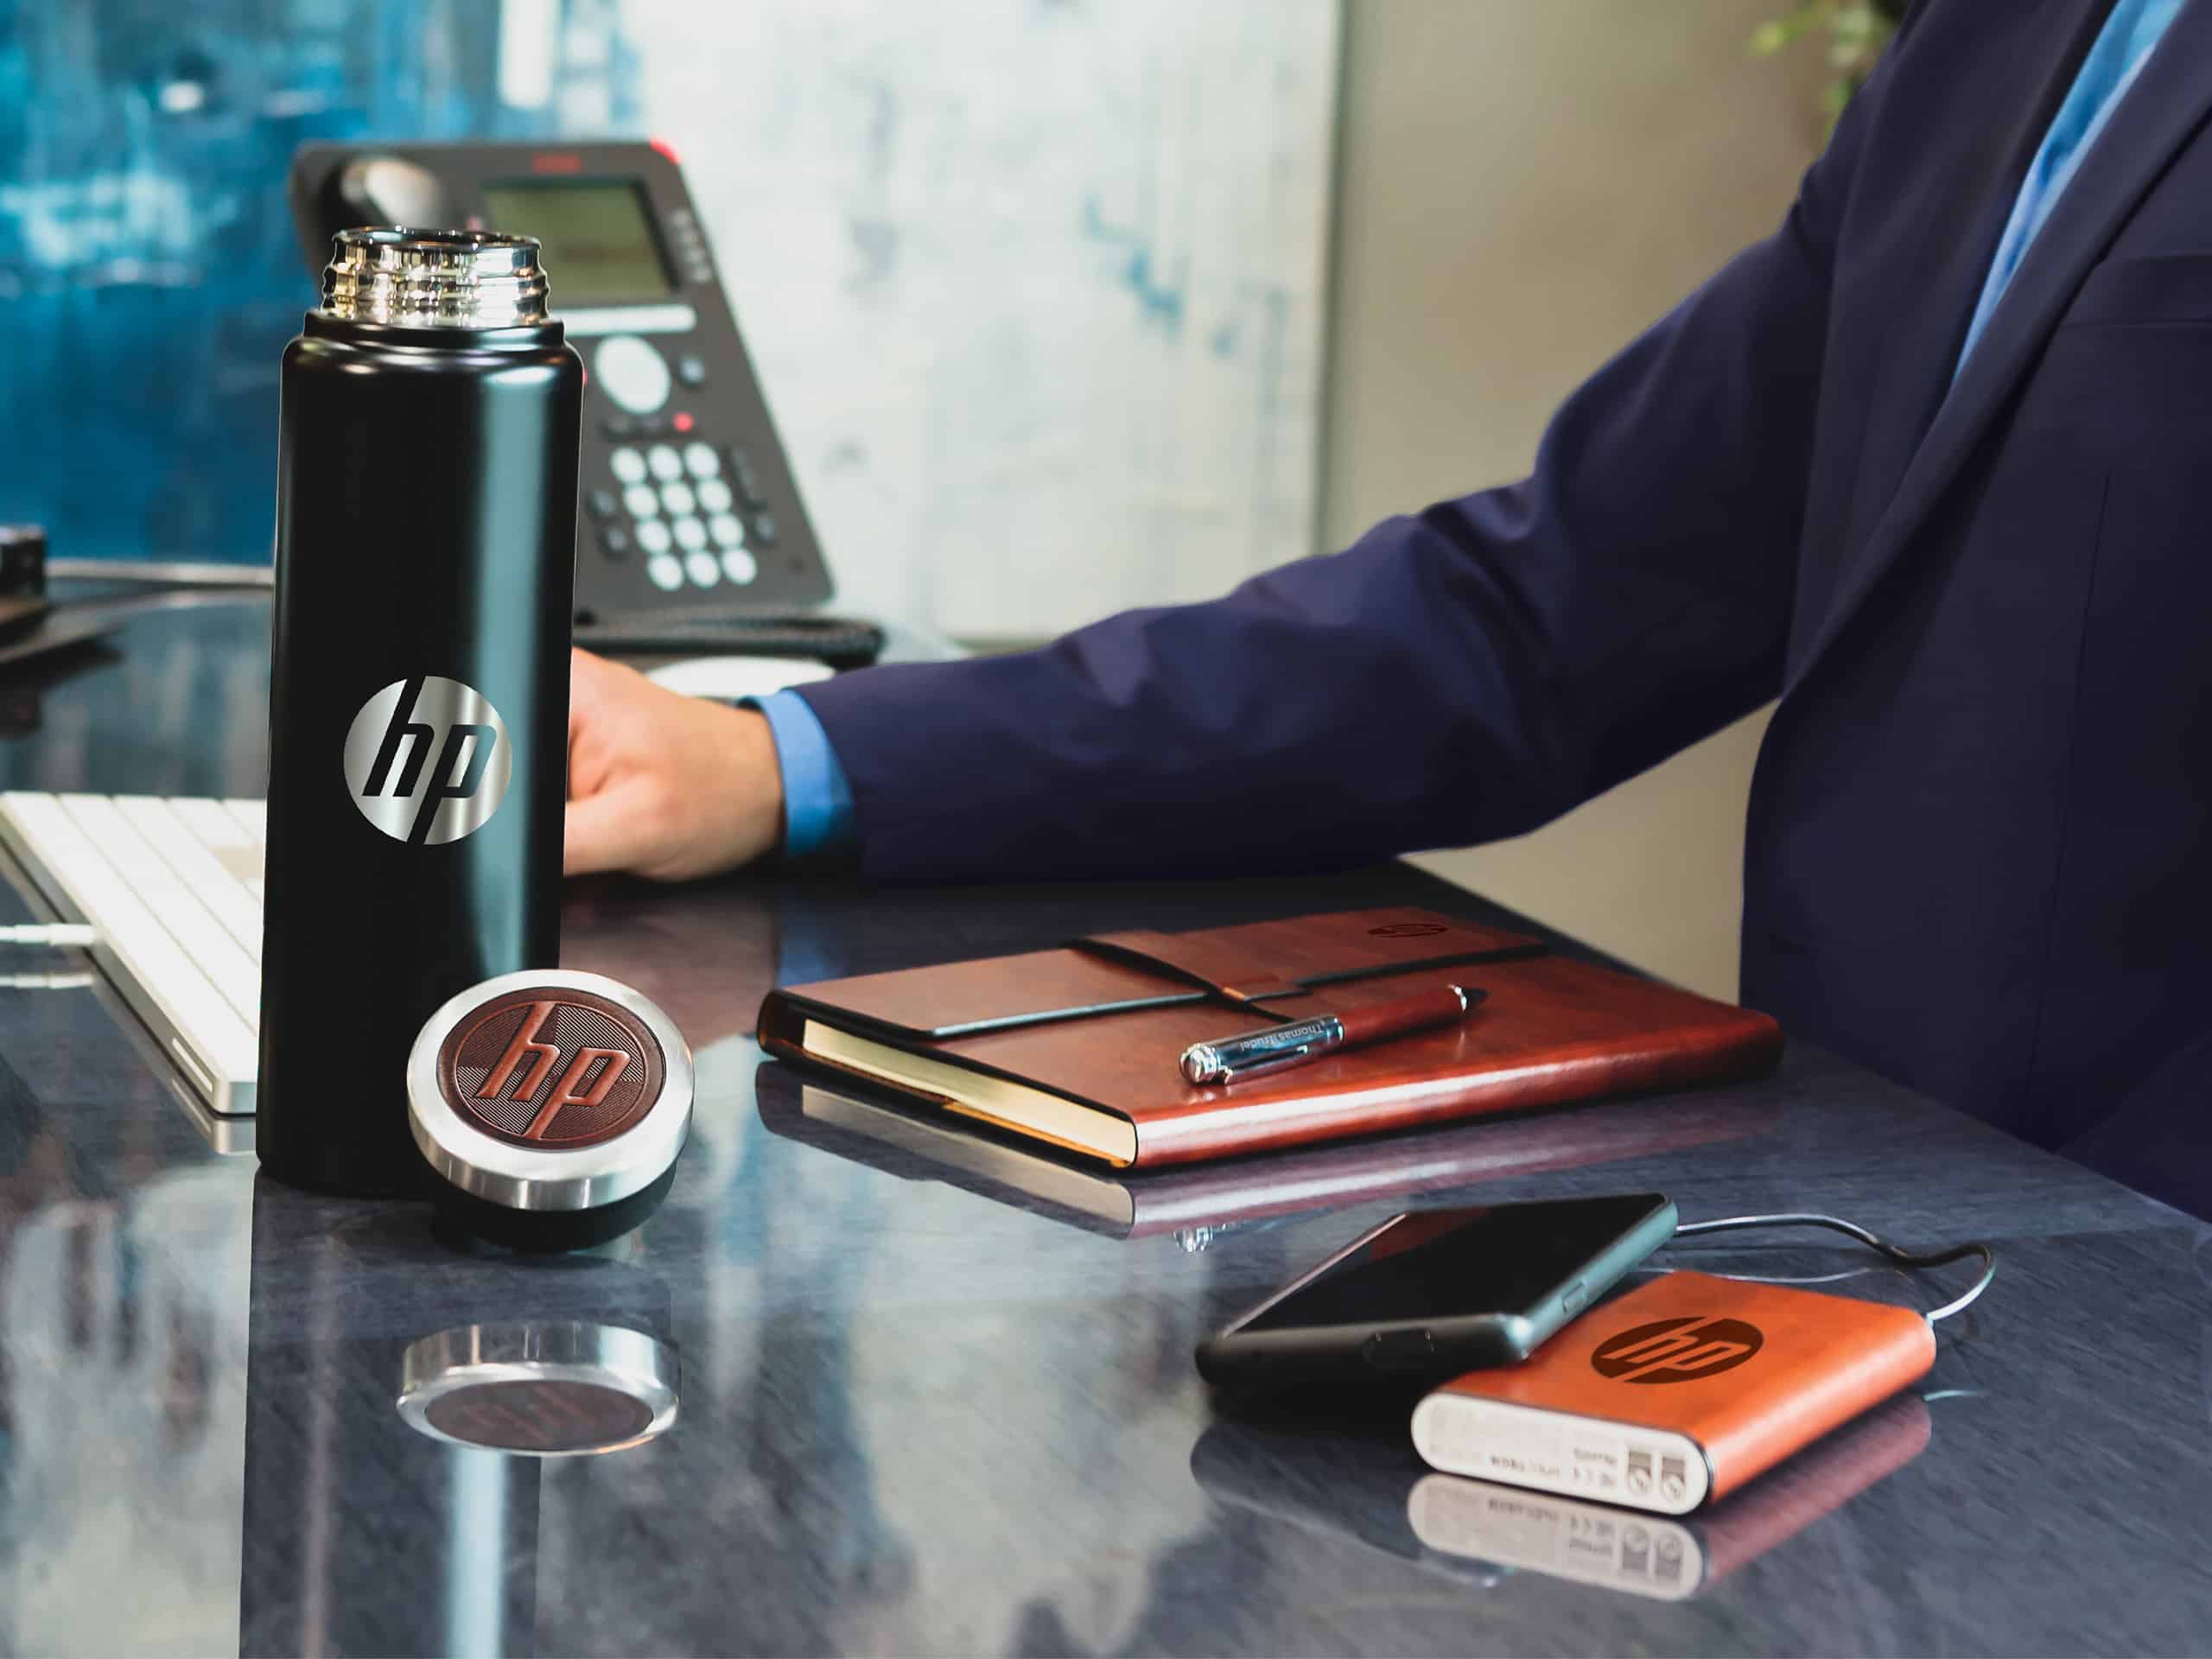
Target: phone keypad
x=696, y=513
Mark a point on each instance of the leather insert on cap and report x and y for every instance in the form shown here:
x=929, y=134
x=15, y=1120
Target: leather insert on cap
x=550, y=1067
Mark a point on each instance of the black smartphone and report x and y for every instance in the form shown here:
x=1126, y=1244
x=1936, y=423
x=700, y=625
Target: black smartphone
x=1433, y=1293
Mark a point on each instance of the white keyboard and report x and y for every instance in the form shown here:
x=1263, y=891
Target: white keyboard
x=172, y=886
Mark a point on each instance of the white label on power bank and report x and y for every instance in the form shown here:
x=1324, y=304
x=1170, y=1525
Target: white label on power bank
x=1557, y=1451
x=1587, y=1542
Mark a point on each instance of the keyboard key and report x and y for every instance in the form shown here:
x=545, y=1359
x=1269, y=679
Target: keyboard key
x=726, y=530
x=652, y=535
x=214, y=956
x=629, y=465
x=601, y=504
x=714, y=495
x=252, y=814
x=690, y=534
x=677, y=499
x=236, y=848
x=703, y=568
x=700, y=460
x=615, y=541
x=140, y=939
x=164, y=827
x=642, y=501
x=739, y=566
x=763, y=528
x=667, y=465
x=667, y=571
x=691, y=369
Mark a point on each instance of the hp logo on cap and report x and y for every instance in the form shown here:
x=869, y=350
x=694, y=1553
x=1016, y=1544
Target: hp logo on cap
x=428, y=760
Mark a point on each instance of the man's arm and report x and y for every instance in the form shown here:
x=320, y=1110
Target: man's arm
x=1452, y=677
x=1455, y=676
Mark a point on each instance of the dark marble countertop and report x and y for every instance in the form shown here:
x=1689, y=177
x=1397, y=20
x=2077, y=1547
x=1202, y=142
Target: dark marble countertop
x=932, y=1395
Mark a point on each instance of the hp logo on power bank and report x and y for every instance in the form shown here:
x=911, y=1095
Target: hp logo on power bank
x=428, y=760
x=1677, y=1351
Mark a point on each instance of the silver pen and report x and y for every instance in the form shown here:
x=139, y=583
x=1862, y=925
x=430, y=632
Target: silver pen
x=1275, y=1048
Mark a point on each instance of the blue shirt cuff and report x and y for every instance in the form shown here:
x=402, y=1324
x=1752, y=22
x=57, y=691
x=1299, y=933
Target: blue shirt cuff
x=819, y=818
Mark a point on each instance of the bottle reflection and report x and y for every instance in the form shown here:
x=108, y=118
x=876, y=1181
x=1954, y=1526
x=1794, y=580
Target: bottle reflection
x=394, y=1476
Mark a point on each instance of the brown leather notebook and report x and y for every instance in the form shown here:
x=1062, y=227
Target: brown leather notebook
x=1078, y=1046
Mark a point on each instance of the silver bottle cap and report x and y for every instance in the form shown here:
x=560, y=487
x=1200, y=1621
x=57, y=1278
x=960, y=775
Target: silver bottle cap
x=550, y=1092
x=435, y=279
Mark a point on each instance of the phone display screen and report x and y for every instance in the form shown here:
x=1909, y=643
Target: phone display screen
x=597, y=241
x=1445, y=1264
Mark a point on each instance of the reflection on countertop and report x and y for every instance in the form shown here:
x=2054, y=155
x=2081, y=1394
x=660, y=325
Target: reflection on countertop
x=917, y=1410
x=1364, y=1484
x=1200, y=1204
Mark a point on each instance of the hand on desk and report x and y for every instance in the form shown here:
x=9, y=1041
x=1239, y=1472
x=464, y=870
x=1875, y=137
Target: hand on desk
x=664, y=786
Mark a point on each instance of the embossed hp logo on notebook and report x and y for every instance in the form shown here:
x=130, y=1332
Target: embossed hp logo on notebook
x=1677, y=1351
x=428, y=759
x=1406, y=929
x=552, y=1068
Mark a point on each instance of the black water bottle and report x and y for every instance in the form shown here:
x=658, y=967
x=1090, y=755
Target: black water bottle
x=426, y=501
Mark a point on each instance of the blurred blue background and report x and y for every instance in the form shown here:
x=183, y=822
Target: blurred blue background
x=148, y=273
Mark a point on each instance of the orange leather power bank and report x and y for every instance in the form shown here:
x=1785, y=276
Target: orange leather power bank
x=1678, y=1392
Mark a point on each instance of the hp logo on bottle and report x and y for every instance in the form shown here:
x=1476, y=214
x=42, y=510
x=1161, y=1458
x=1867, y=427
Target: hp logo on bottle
x=428, y=760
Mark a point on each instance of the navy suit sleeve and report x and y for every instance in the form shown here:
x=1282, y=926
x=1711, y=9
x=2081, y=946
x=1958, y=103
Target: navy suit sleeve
x=1452, y=677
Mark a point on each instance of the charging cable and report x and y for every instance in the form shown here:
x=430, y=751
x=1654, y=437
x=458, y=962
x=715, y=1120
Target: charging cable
x=58, y=936
x=1896, y=1252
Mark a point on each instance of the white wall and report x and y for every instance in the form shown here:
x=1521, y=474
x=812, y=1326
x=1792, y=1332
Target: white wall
x=1035, y=290
x=1523, y=186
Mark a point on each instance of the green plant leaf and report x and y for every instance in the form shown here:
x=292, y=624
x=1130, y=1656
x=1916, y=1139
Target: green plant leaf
x=1854, y=32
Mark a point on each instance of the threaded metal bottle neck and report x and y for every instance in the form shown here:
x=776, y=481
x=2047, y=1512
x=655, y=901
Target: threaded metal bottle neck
x=435, y=279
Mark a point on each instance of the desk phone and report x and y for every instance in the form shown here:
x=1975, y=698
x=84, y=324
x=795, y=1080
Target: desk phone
x=690, y=527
